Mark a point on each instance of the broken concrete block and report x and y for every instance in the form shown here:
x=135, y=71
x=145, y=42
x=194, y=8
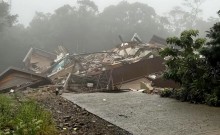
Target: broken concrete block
x=147, y=86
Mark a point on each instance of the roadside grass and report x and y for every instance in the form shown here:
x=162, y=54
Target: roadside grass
x=24, y=118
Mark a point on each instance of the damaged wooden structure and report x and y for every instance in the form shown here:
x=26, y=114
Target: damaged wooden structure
x=13, y=78
x=127, y=63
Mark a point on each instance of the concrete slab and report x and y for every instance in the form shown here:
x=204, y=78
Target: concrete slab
x=143, y=114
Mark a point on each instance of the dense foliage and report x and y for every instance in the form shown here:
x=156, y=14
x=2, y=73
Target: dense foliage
x=195, y=65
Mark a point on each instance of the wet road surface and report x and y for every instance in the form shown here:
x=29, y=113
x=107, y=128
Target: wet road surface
x=143, y=114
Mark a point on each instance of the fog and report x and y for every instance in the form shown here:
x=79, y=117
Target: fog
x=89, y=26
x=26, y=8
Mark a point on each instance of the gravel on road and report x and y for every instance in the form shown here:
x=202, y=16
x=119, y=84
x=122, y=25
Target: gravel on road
x=144, y=114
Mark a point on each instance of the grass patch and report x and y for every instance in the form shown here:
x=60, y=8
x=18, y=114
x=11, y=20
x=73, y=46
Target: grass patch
x=24, y=118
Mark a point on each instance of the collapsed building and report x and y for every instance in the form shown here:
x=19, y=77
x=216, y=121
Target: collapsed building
x=14, y=78
x=130, y=65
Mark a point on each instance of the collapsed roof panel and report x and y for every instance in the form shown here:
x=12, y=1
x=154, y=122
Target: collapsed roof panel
x=15, y=78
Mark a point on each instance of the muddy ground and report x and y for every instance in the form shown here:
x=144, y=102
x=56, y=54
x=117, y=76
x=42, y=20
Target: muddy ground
x=72, y=119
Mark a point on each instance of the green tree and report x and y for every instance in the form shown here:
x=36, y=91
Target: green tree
x=87, y=7
x=188, y=16
x=185, y=65
x=5, y=18
x=195, y=66
x=6, y=21
x=41, y=31
x=212, y=51
x=12, y=35
x=212, y=56
x=71, y=26
x=83, y=28
x=129, y=18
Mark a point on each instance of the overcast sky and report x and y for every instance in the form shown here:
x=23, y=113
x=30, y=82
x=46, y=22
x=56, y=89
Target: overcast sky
x=27, y=8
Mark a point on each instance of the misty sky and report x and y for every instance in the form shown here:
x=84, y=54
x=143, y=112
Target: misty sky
x=27, y=8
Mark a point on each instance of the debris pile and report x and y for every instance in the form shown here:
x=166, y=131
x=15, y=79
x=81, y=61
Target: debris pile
x=106, y=70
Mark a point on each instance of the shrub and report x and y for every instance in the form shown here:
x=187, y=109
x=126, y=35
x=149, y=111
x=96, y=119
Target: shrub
x=25, y=118
x=6, y=111
x=212, y=100
x=177, y=94
x=166, y=93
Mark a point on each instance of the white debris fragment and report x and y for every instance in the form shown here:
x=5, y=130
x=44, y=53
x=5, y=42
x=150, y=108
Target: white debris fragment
x=90, y=85
x=12, y=91
x=152, y=76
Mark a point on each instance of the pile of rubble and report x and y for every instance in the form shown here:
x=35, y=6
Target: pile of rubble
x=107, y=70
x=70, y=118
